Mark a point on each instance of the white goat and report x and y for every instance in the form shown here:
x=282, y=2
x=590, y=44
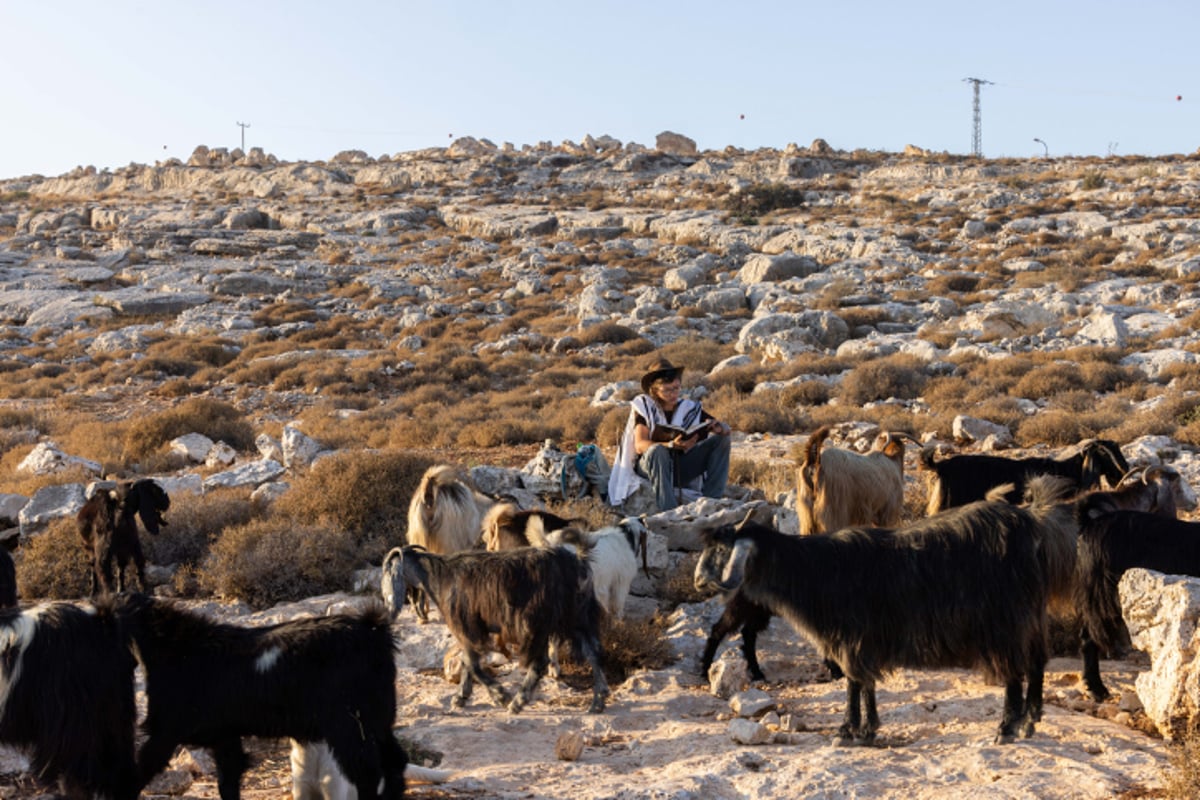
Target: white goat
x=839, y=488
x=611, y=554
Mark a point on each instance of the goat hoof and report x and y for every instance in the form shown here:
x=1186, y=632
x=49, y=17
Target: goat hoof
x=1004, y=738
x=1027, y=729
x=516, y=705
x=597, y=706
x=458, y=702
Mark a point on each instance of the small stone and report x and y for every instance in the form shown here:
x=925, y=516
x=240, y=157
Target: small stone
x=569, y=746
x=745, y=731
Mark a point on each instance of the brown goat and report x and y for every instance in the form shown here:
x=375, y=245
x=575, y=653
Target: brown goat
x=108, y=526
x=839, y=488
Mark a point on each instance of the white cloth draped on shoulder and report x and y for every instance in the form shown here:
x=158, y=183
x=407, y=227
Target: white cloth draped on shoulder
x=623, y=480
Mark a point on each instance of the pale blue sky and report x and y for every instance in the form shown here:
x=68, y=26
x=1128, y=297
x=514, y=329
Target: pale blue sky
x=108, y=83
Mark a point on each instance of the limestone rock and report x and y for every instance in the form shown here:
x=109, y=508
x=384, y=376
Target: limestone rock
x=1162, y=612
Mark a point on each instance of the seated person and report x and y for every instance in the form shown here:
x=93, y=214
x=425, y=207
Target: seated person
x=670, y=460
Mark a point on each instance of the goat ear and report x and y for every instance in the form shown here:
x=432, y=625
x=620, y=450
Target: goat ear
x=143, y=502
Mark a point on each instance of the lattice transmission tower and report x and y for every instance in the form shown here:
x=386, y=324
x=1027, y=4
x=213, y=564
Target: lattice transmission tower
x=977, y=127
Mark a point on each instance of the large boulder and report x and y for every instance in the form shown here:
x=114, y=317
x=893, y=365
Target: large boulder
x=1162, y=613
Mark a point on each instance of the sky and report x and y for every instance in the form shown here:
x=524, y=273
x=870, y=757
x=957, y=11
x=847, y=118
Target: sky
x=111, y=83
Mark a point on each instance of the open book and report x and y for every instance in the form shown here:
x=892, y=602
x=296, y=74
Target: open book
x=665, y=433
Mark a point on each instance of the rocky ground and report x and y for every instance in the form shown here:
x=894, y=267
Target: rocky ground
x=941, y=258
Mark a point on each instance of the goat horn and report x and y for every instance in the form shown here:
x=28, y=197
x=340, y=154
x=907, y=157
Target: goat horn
x=745, y=520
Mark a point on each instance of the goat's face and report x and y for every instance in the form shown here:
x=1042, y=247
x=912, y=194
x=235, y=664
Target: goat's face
x=148, y=500
x=722, y=564
x=392, y=585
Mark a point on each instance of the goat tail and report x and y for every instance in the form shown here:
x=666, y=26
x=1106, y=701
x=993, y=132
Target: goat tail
x=1045, y=496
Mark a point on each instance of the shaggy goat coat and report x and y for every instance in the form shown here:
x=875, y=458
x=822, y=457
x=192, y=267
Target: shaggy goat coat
x=328, y=679
x=1111, y=542
x=530, y=597
x=66, y=698
x=963, y=479
x=837, y=488
x=967, y=588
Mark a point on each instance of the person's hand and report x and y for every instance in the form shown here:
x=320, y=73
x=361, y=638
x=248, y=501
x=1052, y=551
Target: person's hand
x=684, y=445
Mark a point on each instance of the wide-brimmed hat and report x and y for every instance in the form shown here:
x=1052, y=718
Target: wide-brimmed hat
x=660, y=369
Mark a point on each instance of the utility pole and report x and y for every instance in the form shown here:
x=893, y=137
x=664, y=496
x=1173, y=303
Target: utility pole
x=244, y=125
x=977, y=130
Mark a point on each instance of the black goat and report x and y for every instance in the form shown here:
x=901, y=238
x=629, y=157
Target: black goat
x=963, y=479
x=531, y=597
x=108, y=526
x=8, y=580
x=66, y=698
x=1111, y=542
x=964, y=588
x=208, y=684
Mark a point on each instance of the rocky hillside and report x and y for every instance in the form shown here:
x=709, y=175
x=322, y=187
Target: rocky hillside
x=1056, y=299
x=477, y=300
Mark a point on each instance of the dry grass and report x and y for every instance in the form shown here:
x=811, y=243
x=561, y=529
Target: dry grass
x=363, y=495
x=53, y=565
x=273, y=560
x=217, y=420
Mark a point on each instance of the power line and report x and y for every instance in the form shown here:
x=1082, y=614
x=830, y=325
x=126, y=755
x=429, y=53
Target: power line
x=977, y=129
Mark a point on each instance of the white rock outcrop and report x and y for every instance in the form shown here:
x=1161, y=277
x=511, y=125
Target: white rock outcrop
x=1162, y=612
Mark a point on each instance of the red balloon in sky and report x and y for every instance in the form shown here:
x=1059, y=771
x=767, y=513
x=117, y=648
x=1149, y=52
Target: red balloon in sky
x=741, y=116
x=1178, y=97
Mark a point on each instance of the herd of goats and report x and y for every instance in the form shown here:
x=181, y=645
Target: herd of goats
x=971, y=584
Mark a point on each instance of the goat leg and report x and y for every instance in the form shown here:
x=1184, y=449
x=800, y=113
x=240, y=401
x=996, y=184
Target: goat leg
x=231, y=763
x=1091, y=668
x=474, y=671
x=866, y=734
x=590, y=647
x=853, y=717
x=1014, y=702
x=1033, y=701
x=533, y=676
x=153, y=757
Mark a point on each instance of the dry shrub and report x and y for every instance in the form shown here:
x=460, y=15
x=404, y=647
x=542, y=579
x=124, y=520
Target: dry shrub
x=1181, y=776
x=763, y=412
x=611, y=427
x=695, y=354
x=53, y=565
x=773, y=478
x=743, y=379
x=807, y=393
x=1188, y=431
x=635, y=644
x=606, y=333
x=1057, y=428
x=365, y=494
x=193, y=522
x=678, y=587
x=901, y=376
x=217, y=420
x=576, y=419
x=98, y=440
x=274, y=560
